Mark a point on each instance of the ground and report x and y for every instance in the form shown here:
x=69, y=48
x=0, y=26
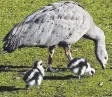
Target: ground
x=60, y=84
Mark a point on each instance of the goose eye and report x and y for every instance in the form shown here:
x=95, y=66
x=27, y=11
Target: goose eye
x=105, y=57
x=40, y=63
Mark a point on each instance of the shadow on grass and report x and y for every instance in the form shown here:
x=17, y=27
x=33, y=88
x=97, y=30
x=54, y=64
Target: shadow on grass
x=9, y=68
x=59, y=69
x=9, y=88
x=60, y=77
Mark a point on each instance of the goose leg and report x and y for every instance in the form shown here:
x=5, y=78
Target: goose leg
x=67, y=52
x=51, y=52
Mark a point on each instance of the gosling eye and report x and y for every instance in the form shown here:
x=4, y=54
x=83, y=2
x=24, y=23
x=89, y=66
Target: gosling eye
x=92, y=72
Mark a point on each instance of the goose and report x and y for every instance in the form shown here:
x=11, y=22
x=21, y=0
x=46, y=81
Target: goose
x=59, y=23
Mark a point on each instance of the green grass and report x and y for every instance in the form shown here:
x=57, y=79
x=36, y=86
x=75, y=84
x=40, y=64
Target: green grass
x=58, y=85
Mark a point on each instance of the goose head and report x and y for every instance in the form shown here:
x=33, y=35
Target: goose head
x=102, y=56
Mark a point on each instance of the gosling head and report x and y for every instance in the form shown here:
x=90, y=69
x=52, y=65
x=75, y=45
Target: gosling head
x=37, y=64
x=91, y=71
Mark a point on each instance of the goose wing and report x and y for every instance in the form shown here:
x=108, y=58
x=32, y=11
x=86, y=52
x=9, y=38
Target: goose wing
x=48, y=26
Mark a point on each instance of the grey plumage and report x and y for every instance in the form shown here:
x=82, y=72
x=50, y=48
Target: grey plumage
x=48, y=26
x=61, y=23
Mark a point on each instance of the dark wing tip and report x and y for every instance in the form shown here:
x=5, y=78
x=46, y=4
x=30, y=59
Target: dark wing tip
x=7, y=48
x=10, y=43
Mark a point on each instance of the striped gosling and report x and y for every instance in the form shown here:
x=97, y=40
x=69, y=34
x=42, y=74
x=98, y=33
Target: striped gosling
x=80, y=66
x=35, y=75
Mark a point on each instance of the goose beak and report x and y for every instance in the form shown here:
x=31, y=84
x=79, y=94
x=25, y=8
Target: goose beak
x=103, y=66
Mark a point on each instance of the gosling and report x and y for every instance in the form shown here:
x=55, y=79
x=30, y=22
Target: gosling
x=80, y=66
x=35, y=75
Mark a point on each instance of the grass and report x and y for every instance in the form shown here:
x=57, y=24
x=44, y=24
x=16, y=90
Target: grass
x=55, y=84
